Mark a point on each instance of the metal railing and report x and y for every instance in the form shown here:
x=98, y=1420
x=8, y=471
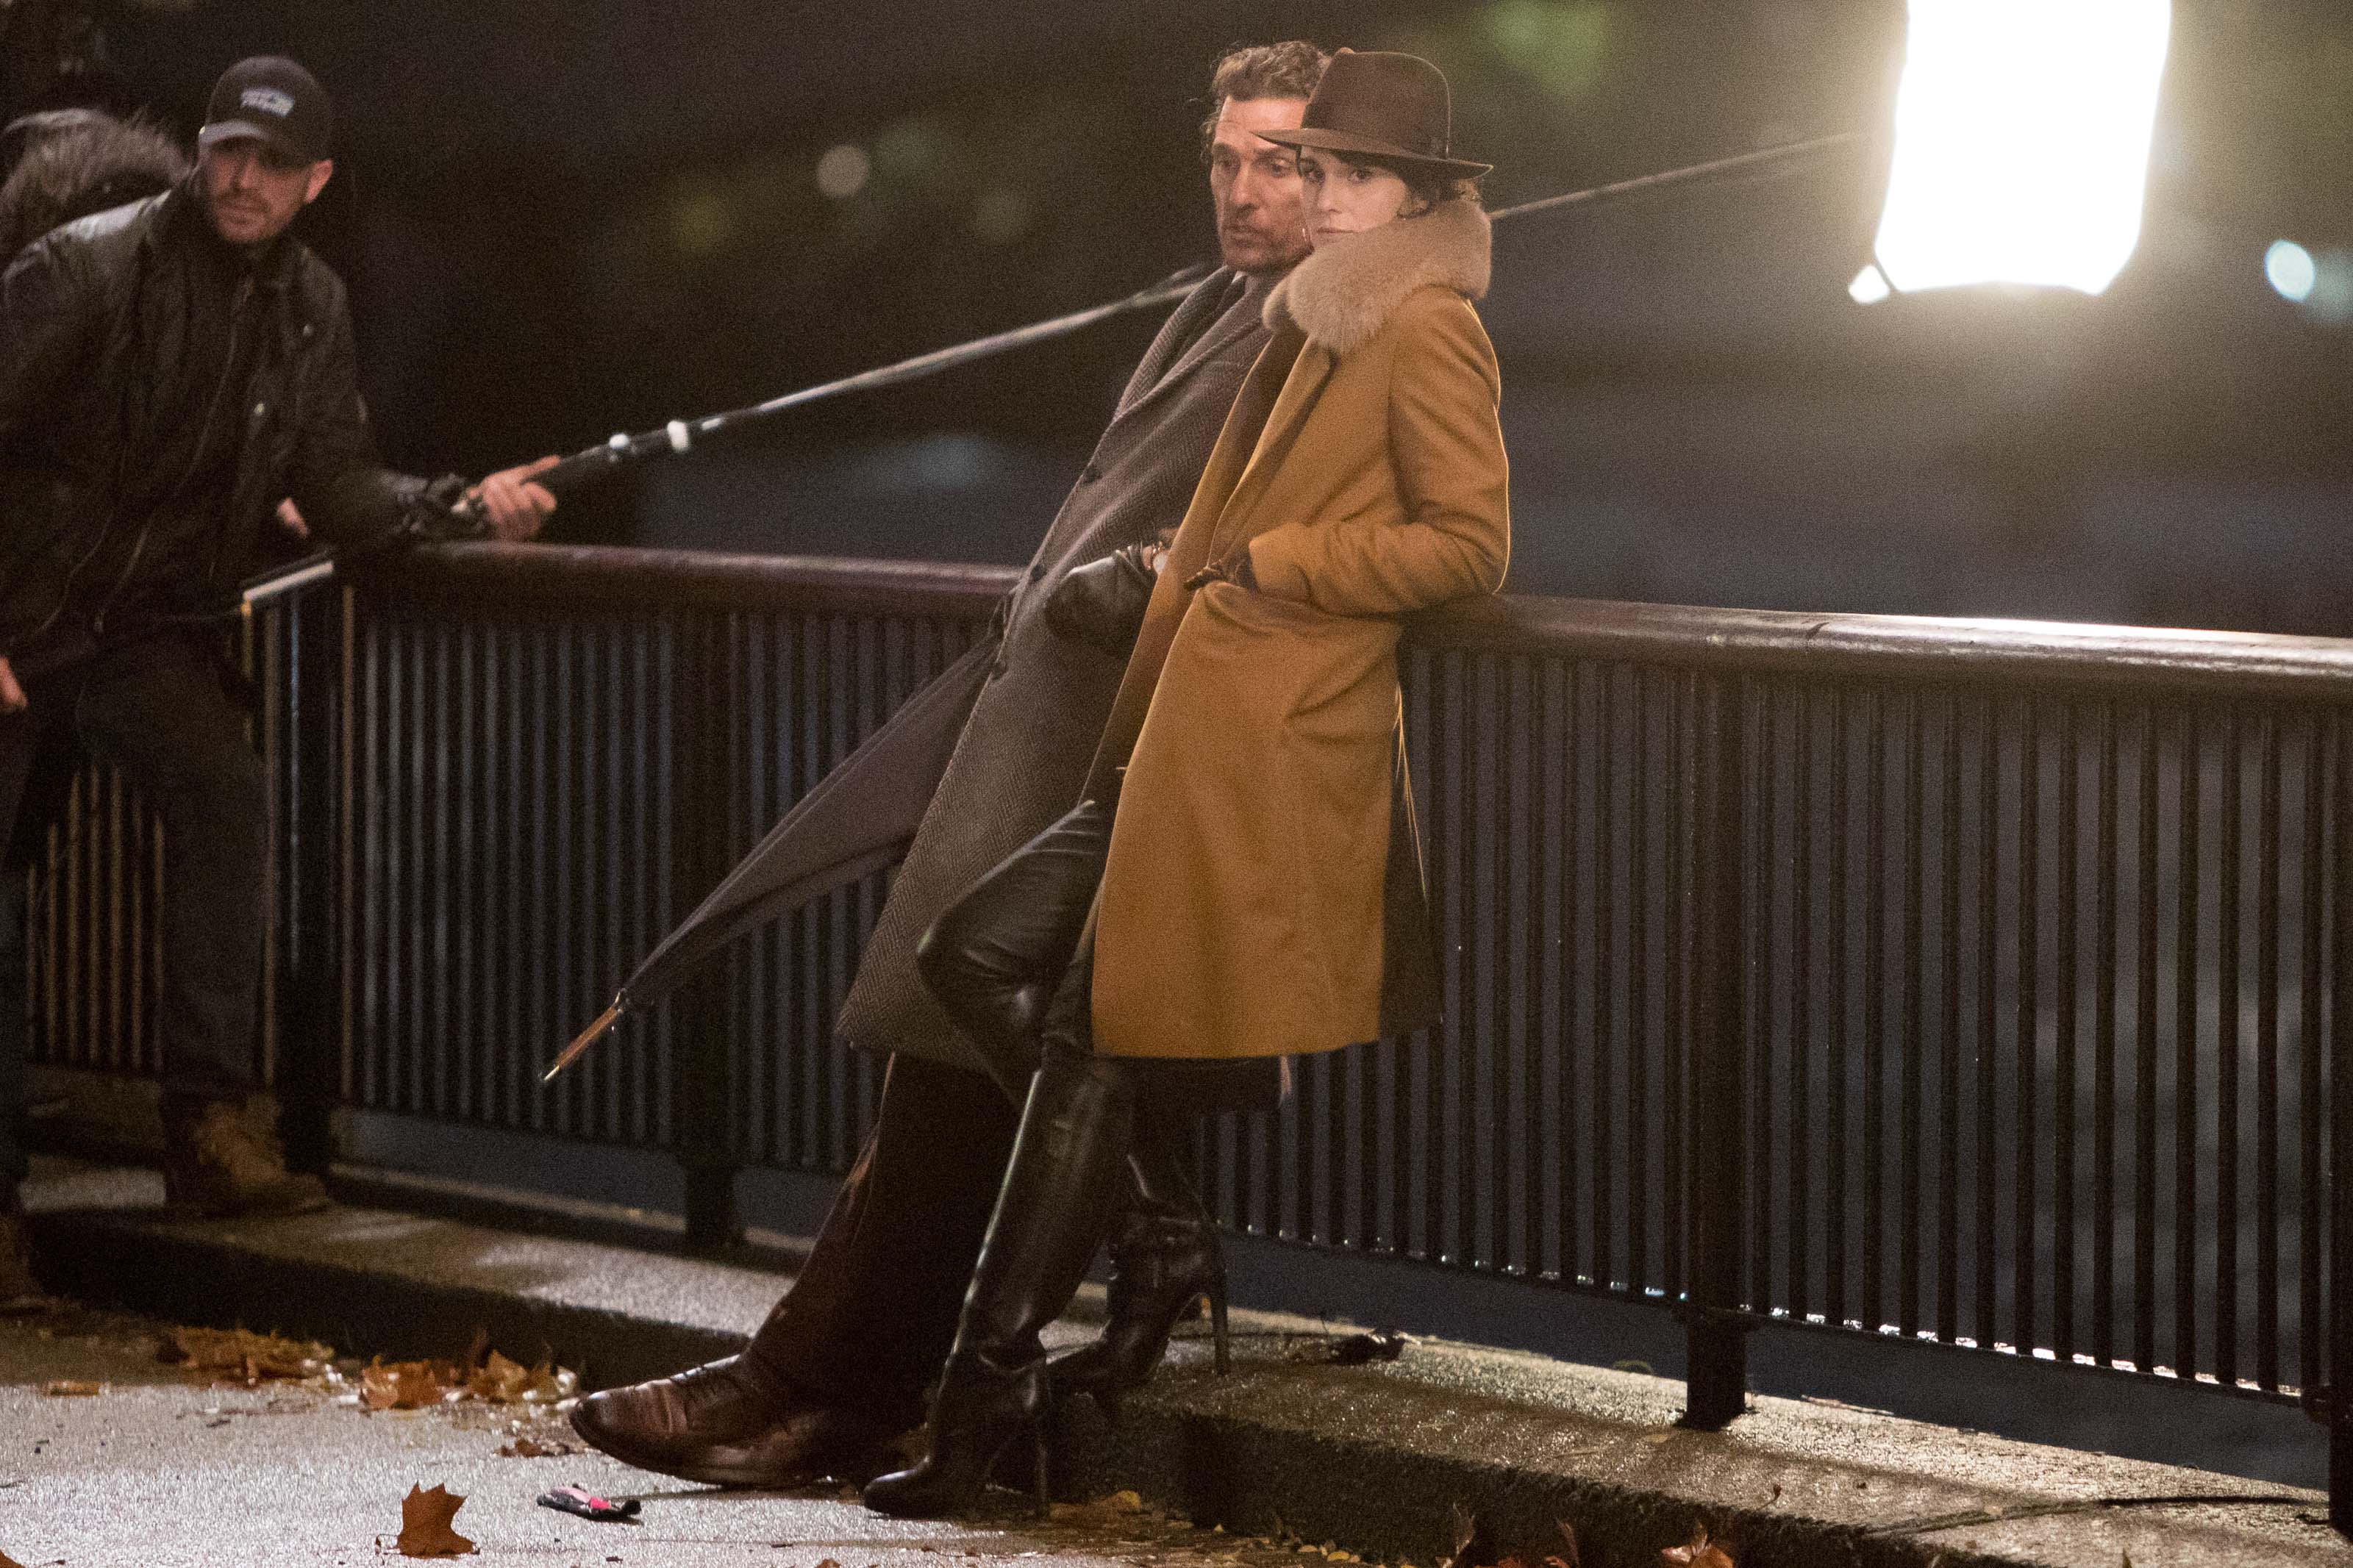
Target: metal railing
x=1956, y=982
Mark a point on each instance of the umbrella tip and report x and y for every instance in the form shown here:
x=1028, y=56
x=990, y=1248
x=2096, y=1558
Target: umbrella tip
x=586, y=1038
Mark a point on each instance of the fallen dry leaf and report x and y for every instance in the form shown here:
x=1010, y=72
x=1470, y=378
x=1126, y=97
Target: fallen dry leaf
x=532, y=1448
x=71, y=1388
x=498, y=1380
x=8, y=1561
x=425, y=1524
x=405, y=1385
x=237, y=1355
x=1699, y=1554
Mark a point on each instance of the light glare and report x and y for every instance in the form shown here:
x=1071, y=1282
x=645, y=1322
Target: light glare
x=2022, y=133
x=841, y=172
x=1869, y=286
x=2290, y=269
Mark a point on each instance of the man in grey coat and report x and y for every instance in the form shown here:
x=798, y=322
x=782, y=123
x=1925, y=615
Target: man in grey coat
x=837, y=1370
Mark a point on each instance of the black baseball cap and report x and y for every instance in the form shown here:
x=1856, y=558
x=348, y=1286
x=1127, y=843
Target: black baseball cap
x=271, y=98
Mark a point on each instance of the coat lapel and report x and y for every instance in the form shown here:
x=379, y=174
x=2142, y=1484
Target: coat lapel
x=1301, y=388
x=1229, y=302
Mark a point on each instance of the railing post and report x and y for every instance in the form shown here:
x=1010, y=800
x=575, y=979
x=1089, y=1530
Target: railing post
x=1715, y=1157
x=703, y=1124
x=310, y=985
x=2337, y=1409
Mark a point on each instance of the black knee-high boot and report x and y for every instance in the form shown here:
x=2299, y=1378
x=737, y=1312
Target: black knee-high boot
x=1164, y=1257
x=1060, y=1190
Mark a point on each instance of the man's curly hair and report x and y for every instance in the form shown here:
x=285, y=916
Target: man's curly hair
x=1287, y=70
x=78, y=162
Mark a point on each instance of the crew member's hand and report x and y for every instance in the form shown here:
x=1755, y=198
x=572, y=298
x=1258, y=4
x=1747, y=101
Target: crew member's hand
x=291, y=519
x=12, y=696
x=515, y=507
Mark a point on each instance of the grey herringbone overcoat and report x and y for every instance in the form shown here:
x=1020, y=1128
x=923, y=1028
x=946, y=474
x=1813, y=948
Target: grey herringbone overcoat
x=1022, y=760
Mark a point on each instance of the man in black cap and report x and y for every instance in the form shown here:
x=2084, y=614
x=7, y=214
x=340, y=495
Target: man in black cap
x=170, y=370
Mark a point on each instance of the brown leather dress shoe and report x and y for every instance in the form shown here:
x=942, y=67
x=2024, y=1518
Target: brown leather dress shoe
x=723, y=1424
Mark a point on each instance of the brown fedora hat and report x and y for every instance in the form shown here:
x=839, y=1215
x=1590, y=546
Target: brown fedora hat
x=1381, y=105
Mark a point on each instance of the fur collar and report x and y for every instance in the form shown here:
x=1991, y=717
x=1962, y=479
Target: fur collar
x=1342, y=295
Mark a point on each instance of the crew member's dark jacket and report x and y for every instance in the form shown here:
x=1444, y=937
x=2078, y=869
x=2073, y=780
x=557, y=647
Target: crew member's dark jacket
x=114, y=504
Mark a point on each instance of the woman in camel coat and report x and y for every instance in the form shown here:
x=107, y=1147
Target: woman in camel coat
x=1242, y=881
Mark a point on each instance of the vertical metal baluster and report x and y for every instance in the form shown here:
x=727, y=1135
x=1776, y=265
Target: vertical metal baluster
x=2185, y=1057
x=2268, y=1109
x=2025, y=1294
x=1764, y=924
x=419, y=1037
x=1608, y=1126
x=2312, y=1364
x=800, y=931
x=526, y=1054
x=2145, y=1065
x=477, y=832
x=2063, y=1047
x=1837, y=1142
x=831, y=660
x=2108, y=1044
x=2229, y=1041
x=1640, y=956
x=1681, y=936
x=1536, y=853
x=1568, y=1046
x=1948, y=1035
x=1513, y=1132
x=1800, y=1263
x=1874, y=1014
x=1480, y=760
x=348, y=785
x=546, y=1022
x=1401, y=1055
x=1445, y=728
x=1985, y=1272
x=2339, y=1046
x=1913, y=1041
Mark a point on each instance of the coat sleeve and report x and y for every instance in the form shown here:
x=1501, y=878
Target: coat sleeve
x=346, y=495
x=48, y=307
x=1452, y=478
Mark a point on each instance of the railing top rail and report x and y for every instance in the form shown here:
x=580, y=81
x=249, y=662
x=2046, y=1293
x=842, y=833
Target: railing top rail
x=620, y=577
x=1911, y=648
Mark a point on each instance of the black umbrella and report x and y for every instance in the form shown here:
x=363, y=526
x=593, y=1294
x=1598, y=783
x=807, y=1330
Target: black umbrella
x=856, y=820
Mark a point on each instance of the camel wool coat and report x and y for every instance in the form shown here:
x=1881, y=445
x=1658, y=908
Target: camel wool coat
x=1264, y=892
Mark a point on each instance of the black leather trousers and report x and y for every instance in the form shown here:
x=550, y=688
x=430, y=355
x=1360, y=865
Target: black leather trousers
x=999, y=955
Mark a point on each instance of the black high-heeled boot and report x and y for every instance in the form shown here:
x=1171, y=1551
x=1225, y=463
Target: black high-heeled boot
x=1050, y=1215
x=1164, y=1257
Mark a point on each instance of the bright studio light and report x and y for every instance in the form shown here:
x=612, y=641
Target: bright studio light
x=2021, y=141
x=2290, y=269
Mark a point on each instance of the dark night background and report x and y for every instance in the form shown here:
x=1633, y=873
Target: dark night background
x=562, y=219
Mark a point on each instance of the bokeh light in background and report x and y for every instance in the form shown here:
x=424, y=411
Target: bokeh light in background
x=841, y=171
x=2023, y=132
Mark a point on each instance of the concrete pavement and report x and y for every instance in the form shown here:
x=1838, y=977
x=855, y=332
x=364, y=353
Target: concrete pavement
x=157, y=1473
x=1374, y=1458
